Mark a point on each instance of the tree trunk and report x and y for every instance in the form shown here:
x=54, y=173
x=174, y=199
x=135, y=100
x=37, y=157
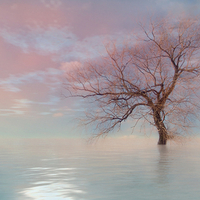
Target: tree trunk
x=162, y=131
x=162, y=138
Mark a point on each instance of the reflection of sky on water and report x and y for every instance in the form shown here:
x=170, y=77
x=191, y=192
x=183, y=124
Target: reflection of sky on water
x=113, y=170
x=52, y=184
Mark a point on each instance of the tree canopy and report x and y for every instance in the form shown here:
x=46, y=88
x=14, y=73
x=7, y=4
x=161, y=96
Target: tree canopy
x=155, y=78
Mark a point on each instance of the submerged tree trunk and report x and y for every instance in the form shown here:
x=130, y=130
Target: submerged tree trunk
x=162, y=131
x=162, y=138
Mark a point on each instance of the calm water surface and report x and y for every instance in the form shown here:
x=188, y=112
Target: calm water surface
x=63, y=169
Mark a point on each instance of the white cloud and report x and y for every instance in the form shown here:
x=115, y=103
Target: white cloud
x=45, y=113
x=23, y=106
x=8, y=112
x=59, y=41
x=53, y=100
x=40, y=93
x=53, y=4
x=12, y=83
x=51, y=40
x=91, y=47
x=49, y=77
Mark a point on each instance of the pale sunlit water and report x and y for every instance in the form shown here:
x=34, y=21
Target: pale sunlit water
x=126, y=169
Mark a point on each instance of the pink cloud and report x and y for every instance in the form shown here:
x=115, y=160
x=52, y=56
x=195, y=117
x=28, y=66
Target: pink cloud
x=58, y=115
x=14, y=61
x=67, y=66
x=29, y=13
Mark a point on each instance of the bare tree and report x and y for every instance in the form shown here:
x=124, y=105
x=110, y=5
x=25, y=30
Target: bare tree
x=155, y=78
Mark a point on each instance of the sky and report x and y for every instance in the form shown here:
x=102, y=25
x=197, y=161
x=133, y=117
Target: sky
x=41, y=39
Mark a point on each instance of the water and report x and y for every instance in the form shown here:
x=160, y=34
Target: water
x=110, y=170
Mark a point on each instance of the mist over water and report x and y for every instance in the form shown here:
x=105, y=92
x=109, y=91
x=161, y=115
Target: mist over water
x=112, y=169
